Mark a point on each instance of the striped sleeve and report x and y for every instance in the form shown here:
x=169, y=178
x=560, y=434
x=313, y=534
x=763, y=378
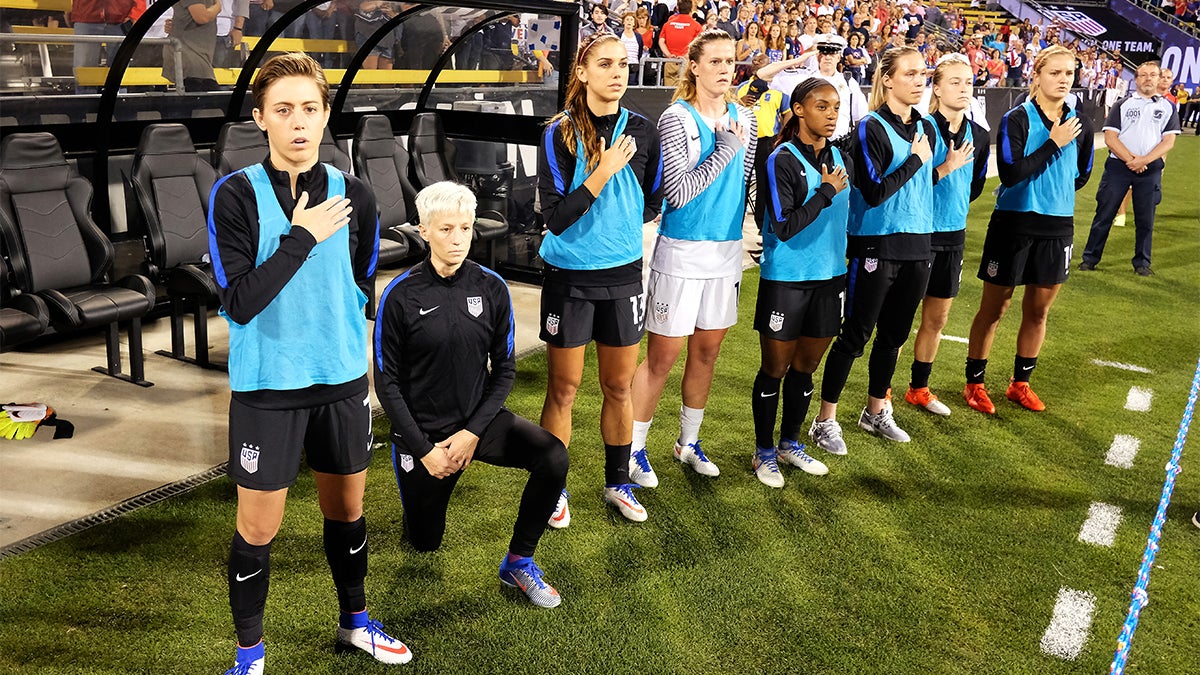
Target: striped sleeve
x=682, y=182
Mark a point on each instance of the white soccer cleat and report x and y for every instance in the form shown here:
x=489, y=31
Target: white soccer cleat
x=621, y=497
x=373, y=640
x=791, y=452
x=640, y=470
x=693, y=456
x=766, y=467
x=562, y=513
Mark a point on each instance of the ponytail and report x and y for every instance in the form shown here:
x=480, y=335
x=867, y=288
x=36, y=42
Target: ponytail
x=887, y=66
x=574, y=120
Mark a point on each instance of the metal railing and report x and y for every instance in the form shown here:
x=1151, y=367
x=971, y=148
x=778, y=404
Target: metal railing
x=657, y=72
x=1156, y=9
x=48, y=39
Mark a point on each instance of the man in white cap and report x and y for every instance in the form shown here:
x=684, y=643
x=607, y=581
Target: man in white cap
x=829, y=54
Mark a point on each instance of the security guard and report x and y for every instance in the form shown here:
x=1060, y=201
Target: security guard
x=1139, y=132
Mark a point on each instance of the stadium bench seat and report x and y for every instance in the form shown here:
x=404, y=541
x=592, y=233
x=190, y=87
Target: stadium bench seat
x=333, y=152
x=382, y=163
x=170, y=187
x=433, y=161
x=23, y=317
x=56, y=250
x=239, y=145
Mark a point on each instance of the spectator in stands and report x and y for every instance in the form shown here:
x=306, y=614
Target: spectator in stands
x=745, y=17
x=645, y=29
x=995, y=68
x=777, y=48
x=633, y=46
x=194, y=25
x=1191, y=112
x=369, y=17
x=97, y=17
x=677, y=33
x=1016, y=64
x=854, y=58
x=1165, y=80
x=749, y=48
x=320, y=23
x=934, y=18
x=597, y=24
x=424, y=39
x=725, y=24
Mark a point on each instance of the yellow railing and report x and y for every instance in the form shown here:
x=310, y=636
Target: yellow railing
x=152, y=77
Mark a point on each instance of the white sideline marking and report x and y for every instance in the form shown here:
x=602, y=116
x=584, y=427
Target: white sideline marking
x=1122, y=451
x=1138, y=399
x=1068, y=629
x=1122, y=366
x=1101, y=525
x=955, y=338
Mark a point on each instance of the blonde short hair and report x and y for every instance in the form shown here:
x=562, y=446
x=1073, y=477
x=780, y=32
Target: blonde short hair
x=444, y=199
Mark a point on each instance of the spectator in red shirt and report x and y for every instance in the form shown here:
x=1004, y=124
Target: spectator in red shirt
x=677, y=33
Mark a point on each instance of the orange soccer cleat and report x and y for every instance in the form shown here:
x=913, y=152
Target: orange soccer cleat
x=977, y=398
x=1019, y=392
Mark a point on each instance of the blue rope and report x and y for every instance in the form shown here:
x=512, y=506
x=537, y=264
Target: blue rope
x=1140, y=598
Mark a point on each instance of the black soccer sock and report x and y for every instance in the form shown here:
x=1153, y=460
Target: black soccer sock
x=920, y=374
x=975, y=370
x=797, y=395
x=880, y=368
x=616, y=464
x=1023, y=367
x=765, y=406
x=249, y=578
x=346, y=551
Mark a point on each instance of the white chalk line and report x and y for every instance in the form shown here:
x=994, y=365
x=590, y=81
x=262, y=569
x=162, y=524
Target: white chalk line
x=1101, y=525
x=1069, y=626
x=955, y=338
x=1138, y=399
x=1122, y=451
x=1122, y=366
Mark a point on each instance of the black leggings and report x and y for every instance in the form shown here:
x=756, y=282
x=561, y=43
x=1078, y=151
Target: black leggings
x=510, y=441
x=887, y=295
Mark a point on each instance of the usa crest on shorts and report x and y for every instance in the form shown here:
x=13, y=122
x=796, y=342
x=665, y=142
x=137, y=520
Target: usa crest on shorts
x=993, y=268
x=552, y=324
x=871, y=264
x=776, y=323
x=475, y=305
x=662, y=310
x=249, y=457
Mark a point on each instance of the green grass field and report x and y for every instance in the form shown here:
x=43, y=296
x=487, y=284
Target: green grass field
x=944, y=555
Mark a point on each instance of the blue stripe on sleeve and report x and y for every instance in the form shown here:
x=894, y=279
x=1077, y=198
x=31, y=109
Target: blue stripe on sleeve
x=658, y=175
x=213, y=252
x=374, y=250
x=379, y=316
x=862, y=141
x=771, y=183
x=850, y=284
x=552, y=159
x=1005, y=144
x=512, y=321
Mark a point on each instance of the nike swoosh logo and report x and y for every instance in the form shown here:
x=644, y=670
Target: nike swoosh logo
x=562, y=514
x=635, y=509
x=1026, y=367
x=809, y=392
x=243, y=578
x=979, y=374
x=360, y=547
x=423, y=312
x=764, y=395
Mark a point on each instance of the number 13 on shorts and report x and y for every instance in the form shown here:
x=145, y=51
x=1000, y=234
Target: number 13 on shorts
x=638, y=303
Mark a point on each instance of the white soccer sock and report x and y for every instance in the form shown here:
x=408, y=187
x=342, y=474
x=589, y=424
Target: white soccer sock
x=640, y=431
x=689, y=424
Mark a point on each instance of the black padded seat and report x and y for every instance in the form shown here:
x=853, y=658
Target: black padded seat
x=433, y=161
x=381, y=161
x=239, y=145
x=56, y=250
x=171, y=187
x=332, y=152
x=23, y=318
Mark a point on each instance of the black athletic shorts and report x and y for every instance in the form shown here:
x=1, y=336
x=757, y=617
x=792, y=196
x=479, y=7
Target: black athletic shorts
x=787, y=310
x=264, y=445
x=572, y=321
x=1019, y=259
x=945, y=276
